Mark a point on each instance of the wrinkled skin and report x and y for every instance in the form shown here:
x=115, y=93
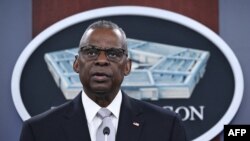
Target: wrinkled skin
x=101, y=78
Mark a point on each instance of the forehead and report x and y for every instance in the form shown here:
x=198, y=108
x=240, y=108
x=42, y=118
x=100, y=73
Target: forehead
x=103, y=37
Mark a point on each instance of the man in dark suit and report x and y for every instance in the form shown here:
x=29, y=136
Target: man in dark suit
x=102, y=62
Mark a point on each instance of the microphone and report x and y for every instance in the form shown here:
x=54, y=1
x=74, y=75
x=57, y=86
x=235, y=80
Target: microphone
x=106, y=132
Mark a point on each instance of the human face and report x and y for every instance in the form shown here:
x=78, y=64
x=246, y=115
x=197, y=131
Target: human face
x=102, y=76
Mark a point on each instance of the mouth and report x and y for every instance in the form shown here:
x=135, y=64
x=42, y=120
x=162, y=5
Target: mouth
x=100, y=76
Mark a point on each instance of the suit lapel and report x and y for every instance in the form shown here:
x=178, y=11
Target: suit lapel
x=130, y=122
x=129, y=127
x=75, y=122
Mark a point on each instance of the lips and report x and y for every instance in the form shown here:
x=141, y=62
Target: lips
x=100, y=76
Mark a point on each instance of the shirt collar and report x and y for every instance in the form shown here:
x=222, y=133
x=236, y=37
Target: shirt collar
x=91, y=108
x=115, y=105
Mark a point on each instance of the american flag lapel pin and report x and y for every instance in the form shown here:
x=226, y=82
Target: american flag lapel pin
x=136, y=124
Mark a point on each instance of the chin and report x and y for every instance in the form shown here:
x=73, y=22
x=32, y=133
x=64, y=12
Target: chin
x=101, y=94
x=101, y=87
x=101, y=90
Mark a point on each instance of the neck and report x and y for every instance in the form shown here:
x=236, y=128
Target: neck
x=103, y=99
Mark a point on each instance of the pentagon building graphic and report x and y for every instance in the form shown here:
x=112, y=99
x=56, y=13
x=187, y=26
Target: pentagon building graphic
x=159, y=71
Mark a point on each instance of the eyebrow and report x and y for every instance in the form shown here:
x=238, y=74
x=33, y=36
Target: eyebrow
x=101, y=47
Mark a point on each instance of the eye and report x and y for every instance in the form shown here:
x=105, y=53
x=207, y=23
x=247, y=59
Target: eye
x=91, y=52
x=115, y=53
x=112, y=53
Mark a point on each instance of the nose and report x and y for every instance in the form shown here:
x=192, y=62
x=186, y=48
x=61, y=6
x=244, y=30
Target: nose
x=102, y=59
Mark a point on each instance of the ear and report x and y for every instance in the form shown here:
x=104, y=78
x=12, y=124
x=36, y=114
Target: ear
x=127, y=68
x=76, y=64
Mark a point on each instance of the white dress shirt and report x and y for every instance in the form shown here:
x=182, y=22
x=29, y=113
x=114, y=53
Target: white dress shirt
x=91, y=109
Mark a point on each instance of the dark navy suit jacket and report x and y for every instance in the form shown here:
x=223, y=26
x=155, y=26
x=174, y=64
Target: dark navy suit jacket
x=139, y=121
